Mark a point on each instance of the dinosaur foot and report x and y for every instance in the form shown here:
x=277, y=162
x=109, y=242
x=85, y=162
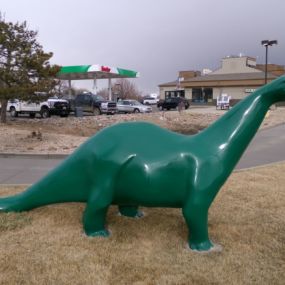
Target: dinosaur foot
x=139, y=214
x=100, y=233
x=205, y=247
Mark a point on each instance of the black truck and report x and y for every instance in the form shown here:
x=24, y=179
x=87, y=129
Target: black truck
x=92, y=103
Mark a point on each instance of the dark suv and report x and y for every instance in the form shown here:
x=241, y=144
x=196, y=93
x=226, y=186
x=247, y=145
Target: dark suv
x=173, y=103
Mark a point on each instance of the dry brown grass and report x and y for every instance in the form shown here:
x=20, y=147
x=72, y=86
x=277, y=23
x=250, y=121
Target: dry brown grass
x=47, y=245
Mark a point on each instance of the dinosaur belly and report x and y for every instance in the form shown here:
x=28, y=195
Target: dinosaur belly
x=152, y=185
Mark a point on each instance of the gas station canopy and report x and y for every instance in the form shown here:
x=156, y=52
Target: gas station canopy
x=94, y=71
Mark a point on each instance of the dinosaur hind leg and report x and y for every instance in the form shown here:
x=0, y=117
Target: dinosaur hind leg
x=130, y=211
x=196, y=217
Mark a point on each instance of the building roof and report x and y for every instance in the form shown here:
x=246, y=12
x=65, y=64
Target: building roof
x=234, y=71
x=222, y=79
x=169, y=83
x=231, y=76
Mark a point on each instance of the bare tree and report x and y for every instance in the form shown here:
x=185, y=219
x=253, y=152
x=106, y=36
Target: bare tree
x=122, y=89
x=126, y=89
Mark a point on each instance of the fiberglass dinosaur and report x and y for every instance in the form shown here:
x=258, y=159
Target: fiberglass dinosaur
x=118, y=166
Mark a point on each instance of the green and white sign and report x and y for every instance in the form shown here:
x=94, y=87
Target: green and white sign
x=94, y=71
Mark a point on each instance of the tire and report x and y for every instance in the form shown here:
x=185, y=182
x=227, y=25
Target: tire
x=136, y=111
x=45, y=113
x=96, y=111
x=13, y=112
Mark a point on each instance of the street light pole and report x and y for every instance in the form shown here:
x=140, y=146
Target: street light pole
x=267, y=43
x=266, y=60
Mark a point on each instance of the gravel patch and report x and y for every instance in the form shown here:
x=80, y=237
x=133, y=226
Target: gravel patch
x=57, y=135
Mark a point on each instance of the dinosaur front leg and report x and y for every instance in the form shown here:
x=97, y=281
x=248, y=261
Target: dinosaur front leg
x=130, y=211
x=94, y=217
x=94, y=221
x=196, y=217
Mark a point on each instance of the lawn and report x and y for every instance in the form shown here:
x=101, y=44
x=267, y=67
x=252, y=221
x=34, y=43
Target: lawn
x=47, y=245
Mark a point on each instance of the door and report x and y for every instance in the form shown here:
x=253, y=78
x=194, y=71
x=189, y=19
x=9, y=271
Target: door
x=30, y=106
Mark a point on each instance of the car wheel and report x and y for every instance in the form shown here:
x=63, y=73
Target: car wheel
x=96, y=111
x=45, y=113
x=136, y=110
x=13, y=112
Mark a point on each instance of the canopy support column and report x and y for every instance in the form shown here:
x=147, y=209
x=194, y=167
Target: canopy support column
x=69, y=89
x=95, y=85
x=110, y=89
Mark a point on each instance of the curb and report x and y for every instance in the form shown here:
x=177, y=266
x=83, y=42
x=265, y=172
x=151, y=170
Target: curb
x=259, y=166
x=33, y=155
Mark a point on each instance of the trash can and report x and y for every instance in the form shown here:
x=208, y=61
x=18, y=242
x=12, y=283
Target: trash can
x=78, y=112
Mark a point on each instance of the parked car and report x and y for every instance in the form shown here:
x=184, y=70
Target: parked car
x=132, y=106
x=173, y=103
x=93, y=103
x=51, y=106
x=150, y=101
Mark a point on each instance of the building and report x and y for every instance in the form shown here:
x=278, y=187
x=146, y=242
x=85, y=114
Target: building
x=238, y=76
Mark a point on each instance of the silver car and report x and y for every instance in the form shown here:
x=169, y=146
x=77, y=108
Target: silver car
x=132, y=106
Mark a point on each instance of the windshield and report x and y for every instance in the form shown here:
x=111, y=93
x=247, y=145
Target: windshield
x=98, y=98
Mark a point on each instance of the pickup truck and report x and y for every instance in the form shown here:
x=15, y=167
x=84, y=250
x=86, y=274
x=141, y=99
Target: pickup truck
x=51, y=106
x=150, y=101
x=92, y=103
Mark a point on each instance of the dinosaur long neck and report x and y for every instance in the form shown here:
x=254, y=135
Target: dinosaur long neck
x=228, y=137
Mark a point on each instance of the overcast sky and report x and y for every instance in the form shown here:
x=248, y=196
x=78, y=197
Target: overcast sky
x=155, y=37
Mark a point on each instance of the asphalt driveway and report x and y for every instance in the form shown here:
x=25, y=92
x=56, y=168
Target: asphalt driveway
x=268, y=146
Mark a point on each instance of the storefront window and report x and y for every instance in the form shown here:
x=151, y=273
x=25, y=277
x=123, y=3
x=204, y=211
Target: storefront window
x=202, y=95
x=197, y=95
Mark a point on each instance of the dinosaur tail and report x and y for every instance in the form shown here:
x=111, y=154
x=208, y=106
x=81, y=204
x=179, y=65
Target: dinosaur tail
x=8, y=204
x=69, y=182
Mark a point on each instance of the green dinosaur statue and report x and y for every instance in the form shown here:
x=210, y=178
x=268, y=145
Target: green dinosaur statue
x=120, y=166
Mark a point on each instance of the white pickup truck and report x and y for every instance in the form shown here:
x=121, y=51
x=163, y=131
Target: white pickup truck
x=150, y=100
x=52, y=106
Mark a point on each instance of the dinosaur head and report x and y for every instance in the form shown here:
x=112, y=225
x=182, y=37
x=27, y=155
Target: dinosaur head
x=275, y=90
